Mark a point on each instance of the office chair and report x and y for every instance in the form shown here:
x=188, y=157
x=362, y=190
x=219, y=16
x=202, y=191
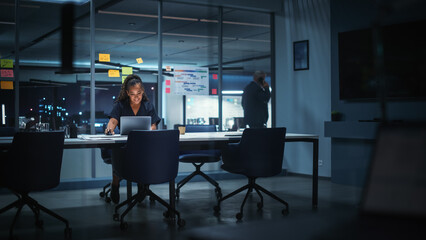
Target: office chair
x=106, y=154
x=7, y=131
x=198, y=158
x=152, y=157
x=33, y=164
x=259, y=154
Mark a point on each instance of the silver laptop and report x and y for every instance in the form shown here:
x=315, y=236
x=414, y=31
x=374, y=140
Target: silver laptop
x=129, y=123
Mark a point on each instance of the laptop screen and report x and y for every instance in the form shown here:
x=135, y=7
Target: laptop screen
x=397, y=178
x=129, y=123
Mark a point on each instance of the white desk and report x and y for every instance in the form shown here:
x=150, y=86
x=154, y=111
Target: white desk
x=191, y=141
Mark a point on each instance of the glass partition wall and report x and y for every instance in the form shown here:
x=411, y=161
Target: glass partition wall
x=55, y=88
x=7, y=56
x=246, y=49
x=190, y=37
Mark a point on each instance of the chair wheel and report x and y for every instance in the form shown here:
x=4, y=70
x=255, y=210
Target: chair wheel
x=216, y=208
x=181, y=222
x=115, y=217
x=285, y=212
x=68, y=232
x=239, y=216
x=107, y=199
x=123, y=225
x=259, y=205
x=39, y=223
x=101, y=194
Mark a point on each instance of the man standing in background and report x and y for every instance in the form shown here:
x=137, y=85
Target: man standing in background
x=255, y=101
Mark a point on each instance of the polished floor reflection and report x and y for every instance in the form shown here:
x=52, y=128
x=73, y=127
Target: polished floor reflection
x=91, y=218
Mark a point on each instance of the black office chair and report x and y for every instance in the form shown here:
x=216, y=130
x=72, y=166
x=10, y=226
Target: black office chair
x=198, y=158
x=259, y=154
x=7, y=131
x=33, y=164
x=106, y=154
x=152, y=157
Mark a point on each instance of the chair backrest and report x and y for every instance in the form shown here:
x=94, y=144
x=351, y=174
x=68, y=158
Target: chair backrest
x=261, y=151
x=35, y=161
x=7, y=131
x=200, y=128
x=152, y=157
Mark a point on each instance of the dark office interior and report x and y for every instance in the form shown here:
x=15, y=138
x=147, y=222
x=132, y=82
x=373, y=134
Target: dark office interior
x=348, y=74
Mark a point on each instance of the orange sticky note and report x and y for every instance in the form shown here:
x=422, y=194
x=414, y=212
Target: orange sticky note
x=6, y=73
x=113, y=73
x=7, y=85
x=139, y=60
x=6, y=63
x=167, y=90
x=104, y=57
x=168, y=68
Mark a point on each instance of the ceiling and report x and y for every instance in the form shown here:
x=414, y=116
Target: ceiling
x=127, y=30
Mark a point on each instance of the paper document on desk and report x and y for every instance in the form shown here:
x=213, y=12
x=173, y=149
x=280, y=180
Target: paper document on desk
x=103, y=137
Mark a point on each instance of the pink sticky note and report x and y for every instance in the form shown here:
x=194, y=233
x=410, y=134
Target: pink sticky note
x=214, y=91
x=215, y=76
x=167, y=90
x=167, y=82
x=7, y=73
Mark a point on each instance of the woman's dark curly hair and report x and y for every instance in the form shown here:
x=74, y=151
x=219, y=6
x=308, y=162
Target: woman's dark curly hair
x=130, y=81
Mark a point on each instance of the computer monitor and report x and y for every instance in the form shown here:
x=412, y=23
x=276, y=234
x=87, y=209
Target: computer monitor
x=129, y=123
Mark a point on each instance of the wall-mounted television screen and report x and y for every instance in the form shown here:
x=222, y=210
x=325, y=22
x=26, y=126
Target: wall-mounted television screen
x=402, y=48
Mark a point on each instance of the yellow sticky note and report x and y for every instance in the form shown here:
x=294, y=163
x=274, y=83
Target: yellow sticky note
x=126, y=70
x=168, y=68
x=7, y=85
x=123, y=78
x=113, y=73
x=104, y=57
x=139, y=60
x=6, y=63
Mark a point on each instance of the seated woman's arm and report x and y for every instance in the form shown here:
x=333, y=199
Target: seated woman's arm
x=112, y=124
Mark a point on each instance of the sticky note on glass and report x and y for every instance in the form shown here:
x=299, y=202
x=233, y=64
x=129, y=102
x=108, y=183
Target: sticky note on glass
x=139, y=60
x=214, y=76
x=214, y=91
x=6, y=63
x=113, y=73
x=104, y=57
x=168, y=68
x=167, y=82
x=7, y=85
x=123, y=78
x=168, y=90
x=6, y=73
x=126, y=70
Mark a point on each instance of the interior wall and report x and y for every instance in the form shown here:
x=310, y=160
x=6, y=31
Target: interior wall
x=350, y=156
x=303, y=97
x=351, y=15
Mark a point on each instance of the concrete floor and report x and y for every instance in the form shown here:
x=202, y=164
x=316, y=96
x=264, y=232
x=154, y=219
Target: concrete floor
x=91, y=218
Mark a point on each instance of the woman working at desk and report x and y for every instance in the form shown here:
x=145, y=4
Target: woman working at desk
x=132, y=101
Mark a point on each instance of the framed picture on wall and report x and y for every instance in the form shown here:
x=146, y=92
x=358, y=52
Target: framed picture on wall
x=301, y=55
